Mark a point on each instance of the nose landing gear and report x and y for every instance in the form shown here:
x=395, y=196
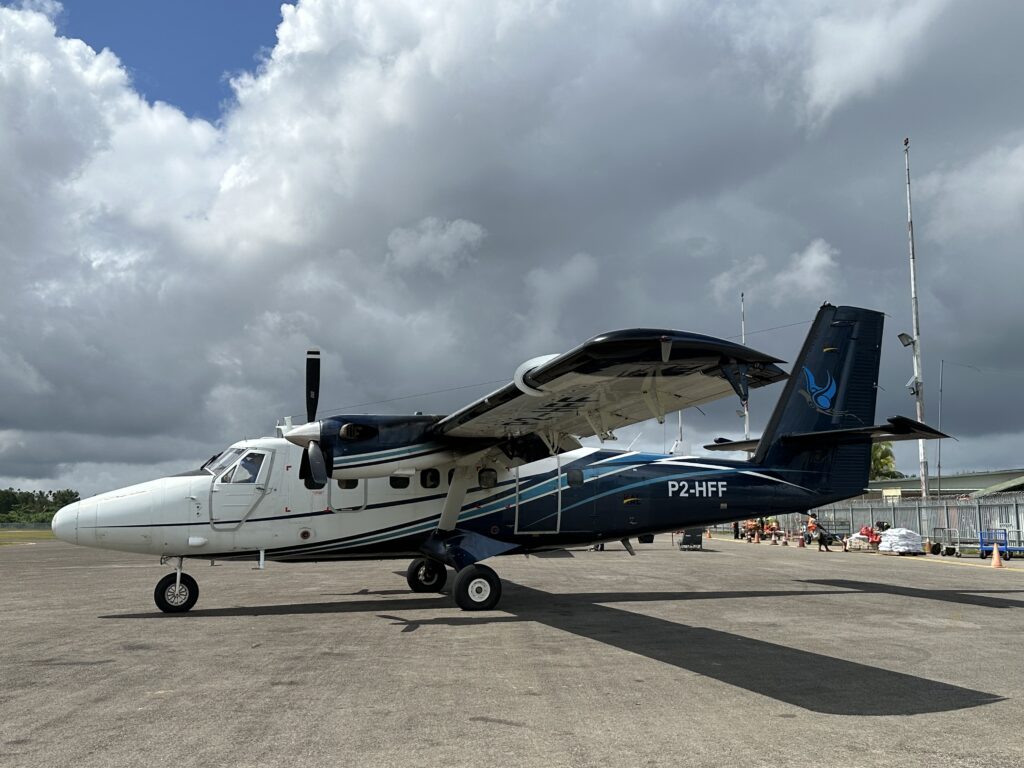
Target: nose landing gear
x=176, y=592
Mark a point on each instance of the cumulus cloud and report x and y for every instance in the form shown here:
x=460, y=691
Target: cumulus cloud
x=440, y=246
x=812, y=272
x=859, y=48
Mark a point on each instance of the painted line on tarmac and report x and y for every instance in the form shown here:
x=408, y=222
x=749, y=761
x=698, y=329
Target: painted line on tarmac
x=952, y=561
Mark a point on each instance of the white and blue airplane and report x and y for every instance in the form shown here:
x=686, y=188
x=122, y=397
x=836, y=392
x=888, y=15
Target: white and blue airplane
x=507, y=474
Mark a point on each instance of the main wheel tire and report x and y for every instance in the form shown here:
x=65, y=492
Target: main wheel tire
x=477, y=588
x=426, y=575
x=176, y=599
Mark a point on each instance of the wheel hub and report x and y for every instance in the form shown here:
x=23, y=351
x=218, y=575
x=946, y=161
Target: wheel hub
x=479, y=590
x=176, y=595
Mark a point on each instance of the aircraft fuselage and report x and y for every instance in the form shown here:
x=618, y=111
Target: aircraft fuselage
x=575, y=498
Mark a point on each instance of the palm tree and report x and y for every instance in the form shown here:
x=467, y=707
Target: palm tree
x=883, y=463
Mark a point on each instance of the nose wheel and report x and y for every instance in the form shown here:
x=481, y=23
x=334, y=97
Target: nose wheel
x=176, y=593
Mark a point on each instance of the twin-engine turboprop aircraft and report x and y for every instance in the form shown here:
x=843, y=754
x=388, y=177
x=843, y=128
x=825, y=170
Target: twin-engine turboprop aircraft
x=506, y=474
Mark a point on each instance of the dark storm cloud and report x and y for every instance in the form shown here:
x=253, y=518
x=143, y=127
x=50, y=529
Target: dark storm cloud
x=432, y=197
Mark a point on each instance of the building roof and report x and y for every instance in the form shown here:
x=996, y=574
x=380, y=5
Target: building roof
x=974, y=483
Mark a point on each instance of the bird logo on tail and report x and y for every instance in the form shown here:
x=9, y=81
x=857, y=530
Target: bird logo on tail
x=820, y=396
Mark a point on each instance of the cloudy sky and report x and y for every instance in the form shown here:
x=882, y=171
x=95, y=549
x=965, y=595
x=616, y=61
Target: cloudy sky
x=432, y=193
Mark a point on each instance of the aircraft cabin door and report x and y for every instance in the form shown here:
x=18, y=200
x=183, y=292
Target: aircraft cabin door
x=539, y=505
x=235, y=495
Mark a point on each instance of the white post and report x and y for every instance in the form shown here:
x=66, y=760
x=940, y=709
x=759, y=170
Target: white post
x=918, y=378
x=938, y=448
x=743, y=341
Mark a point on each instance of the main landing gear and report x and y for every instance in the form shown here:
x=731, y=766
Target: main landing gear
x=176, y=592
x=476, y=587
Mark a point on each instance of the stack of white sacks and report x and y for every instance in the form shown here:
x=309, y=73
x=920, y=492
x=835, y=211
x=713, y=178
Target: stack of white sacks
x=900, y=540
x=857, y=541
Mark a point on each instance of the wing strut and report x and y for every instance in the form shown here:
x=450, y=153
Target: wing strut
x=451, y=545
x=456, y=496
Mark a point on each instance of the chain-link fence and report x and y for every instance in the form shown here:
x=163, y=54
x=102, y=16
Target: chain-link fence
x=966, y=516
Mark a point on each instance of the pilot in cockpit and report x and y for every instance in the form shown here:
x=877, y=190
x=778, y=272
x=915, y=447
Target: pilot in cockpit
x=248, y=469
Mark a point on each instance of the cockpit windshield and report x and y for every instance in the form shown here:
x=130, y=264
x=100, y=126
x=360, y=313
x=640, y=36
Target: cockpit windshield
x=225, y=459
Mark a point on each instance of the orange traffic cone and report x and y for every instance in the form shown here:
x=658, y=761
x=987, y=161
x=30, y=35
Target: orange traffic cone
x=709, y=533
x=997, y=559
x=800, y=543
x=757, y=536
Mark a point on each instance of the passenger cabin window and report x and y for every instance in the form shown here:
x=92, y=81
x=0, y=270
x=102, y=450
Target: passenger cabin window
x=430, y=478
x=248, y=469
x=574, y=477
x=399, y=481
x=451, y=474
x=347, y=484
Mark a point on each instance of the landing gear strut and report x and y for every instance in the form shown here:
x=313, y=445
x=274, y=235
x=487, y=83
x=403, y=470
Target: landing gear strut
x=426, y=575
x=176, y=592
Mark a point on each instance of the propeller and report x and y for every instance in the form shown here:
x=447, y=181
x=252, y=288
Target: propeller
x=312, y=383
x=313, y=468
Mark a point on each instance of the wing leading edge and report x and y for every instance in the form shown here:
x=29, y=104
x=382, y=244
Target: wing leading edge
x=613, y=380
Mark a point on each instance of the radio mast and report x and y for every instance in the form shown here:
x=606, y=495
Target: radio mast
x=917, y=388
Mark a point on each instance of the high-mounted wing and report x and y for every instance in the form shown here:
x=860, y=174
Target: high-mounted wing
x=612, y=380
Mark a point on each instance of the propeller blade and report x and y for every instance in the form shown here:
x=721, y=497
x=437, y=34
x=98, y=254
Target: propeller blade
x=317, y=464
x=312, y=383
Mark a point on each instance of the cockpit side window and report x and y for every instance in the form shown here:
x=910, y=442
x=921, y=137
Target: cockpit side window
x=248, y=469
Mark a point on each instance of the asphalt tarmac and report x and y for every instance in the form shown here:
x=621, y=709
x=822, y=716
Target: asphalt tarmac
x=746, y=655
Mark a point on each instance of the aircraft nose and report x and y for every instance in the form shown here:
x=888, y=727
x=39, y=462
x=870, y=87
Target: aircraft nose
x=65, y=523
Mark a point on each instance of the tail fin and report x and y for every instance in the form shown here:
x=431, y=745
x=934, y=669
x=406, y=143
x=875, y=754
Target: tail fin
x=833, y=386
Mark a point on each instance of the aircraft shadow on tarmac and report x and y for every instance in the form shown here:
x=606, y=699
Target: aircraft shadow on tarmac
x=813, y=681
x=964, y=597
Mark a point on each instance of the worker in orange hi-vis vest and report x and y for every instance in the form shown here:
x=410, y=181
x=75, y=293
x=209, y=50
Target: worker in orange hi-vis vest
x=817, y=533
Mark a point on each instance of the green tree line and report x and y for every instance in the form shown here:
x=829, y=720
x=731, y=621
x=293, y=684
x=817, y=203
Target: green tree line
x=20, y=507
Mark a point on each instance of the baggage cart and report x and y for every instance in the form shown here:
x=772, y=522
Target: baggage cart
x=691, y=538
x=946, y=542
x=998, y=537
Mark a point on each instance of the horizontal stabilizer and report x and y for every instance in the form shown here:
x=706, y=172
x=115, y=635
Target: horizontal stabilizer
x=898, y=428
x=724, y=444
